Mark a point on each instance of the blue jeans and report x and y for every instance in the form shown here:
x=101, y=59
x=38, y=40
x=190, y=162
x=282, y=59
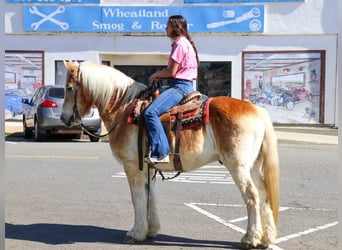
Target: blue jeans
x=169, y=98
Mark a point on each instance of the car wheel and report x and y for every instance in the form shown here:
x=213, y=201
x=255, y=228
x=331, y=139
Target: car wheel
x=27, y=132
x=94, y=138
x=290, y=105
x=274, y=101
x=38, y=136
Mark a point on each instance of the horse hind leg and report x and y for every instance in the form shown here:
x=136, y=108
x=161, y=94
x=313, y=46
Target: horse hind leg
x=267, y=220
x=242, y=177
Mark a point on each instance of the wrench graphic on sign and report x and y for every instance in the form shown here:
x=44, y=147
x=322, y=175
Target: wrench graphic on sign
x=254, y=12
x=34, y=11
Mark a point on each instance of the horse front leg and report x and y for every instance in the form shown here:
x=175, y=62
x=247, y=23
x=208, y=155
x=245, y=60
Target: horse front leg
x=153, y=219
x=137, y=183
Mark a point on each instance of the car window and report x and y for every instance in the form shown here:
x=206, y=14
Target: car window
x=56, y=93
x=35, y=95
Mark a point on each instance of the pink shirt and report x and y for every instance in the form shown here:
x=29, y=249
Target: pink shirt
x=184, y=54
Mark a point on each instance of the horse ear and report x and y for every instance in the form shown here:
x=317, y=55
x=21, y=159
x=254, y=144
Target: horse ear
x=67, y=64
x=70, y=65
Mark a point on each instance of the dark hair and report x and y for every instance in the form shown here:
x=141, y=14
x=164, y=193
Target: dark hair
x=179, y=27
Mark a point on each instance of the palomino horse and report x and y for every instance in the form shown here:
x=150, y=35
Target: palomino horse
x=239, y=134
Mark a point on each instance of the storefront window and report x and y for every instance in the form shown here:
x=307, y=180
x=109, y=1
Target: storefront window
x=141, y=73
x=23, y=70
x=288, y=84
x=23, y=74
x=60, y=73
x=214, y=78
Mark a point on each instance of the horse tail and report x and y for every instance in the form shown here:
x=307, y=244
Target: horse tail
x=269, y=153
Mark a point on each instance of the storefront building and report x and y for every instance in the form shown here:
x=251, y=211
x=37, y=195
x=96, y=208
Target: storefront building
x=279, y=54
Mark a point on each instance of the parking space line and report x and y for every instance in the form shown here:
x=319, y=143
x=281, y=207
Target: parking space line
x=53, y=157
x=214, y=217
x=207, y=174
x=196, y=207
x=305, y=232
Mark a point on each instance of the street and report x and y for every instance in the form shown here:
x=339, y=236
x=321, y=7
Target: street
x=74, y=195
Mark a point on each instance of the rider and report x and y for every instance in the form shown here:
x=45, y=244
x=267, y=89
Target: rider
x=182, y=68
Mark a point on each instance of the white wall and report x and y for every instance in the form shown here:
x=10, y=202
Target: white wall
x=310, y=25
x=310, y=17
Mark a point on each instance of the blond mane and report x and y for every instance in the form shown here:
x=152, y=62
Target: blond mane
x=103, y=82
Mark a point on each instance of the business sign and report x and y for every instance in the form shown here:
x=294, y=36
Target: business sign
x=135, y=19
x=54, y=1
x=239, y=1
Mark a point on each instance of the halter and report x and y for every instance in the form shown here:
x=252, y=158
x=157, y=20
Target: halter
x=76, y=114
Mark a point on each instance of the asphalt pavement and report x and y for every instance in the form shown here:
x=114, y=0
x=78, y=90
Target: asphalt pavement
x=290, y=134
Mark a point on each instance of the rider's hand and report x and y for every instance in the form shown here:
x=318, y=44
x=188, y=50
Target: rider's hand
x=154, y=78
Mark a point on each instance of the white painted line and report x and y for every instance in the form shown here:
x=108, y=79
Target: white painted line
x=226, y=182
x=200, y=176
x=216, y=218
x=305, y=232
x=196, y=207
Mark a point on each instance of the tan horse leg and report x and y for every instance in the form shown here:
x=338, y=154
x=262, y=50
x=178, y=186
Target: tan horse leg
x=249, y=192
x=153, y=219
x=137, y=183
x=267, y=220
x=146, y=220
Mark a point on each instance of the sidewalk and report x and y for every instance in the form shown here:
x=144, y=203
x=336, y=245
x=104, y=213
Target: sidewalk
x=313, y=135
x=285, y=134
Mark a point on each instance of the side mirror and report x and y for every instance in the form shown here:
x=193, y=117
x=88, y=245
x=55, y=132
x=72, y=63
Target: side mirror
x=25, y=101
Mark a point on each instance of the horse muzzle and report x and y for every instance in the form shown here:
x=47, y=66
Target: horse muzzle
x=70, y=120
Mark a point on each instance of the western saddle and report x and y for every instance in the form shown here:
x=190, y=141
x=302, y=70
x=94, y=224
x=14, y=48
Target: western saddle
x=192, y=111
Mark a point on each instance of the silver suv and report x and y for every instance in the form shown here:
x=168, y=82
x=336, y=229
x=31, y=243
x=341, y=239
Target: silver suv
x=41, y=116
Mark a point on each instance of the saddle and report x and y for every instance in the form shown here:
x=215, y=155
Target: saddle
x=192, y=111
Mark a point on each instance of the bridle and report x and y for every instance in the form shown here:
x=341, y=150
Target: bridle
x=76, y=115
x=74, y=88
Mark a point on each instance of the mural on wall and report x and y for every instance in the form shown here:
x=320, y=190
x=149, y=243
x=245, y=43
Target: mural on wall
x=23, y=74
x=287, y=84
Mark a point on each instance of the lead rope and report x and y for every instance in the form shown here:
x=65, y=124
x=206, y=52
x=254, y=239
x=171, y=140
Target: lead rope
x=98, y=136
x=151, y=166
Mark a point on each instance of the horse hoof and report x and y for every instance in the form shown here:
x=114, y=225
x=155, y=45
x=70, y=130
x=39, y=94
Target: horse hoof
x=129, y=240
x=250, y=246
x=246, y=246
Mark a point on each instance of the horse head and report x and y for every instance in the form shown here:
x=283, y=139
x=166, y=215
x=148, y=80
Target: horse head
x=70, y=114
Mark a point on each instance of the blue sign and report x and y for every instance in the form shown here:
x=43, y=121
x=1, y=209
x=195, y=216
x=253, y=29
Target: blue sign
x=135, y=19
x=54, y=1
x=239, y=1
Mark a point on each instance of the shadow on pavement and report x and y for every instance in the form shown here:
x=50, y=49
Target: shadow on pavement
x=18, y=137
x=55, y=234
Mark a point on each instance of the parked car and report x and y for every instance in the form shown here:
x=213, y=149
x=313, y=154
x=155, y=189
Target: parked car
x=13, y=101
x=41, y=116
x=301, y=93
x=279, y=96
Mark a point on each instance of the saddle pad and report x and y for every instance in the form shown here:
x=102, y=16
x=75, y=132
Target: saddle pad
x=191, y=118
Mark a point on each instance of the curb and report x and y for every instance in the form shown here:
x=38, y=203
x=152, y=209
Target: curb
x=312, y=135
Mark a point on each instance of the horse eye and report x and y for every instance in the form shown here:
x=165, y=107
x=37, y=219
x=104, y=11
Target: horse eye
x=68, y=88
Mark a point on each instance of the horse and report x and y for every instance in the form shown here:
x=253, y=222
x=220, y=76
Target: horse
x=239, y=134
